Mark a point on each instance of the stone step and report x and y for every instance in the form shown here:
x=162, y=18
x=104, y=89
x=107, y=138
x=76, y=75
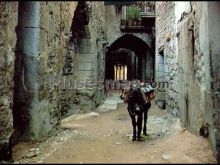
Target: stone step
x=80, y=116
x=110, y=103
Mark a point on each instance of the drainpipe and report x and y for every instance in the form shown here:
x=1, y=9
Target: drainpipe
x=30, y=23
x=29, y=29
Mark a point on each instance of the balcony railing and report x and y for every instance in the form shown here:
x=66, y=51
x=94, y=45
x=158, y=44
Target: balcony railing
x=139, y=10
x=147, y=8
x=133, y=16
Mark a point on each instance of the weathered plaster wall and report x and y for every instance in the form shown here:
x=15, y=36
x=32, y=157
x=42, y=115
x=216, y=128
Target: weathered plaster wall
x=86, y=56
x=166, y=64
x=56, y=19
x=213, y=106
x=196, y=57
x=113, y=33
x=8, y=22
x=44, y=113
x=196, y=52
x=112, y=27
x=177, y=29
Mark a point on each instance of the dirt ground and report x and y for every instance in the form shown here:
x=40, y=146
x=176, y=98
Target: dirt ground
x=106, y=138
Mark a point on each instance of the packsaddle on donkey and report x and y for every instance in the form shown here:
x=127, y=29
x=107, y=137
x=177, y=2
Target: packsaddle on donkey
x=138, y=99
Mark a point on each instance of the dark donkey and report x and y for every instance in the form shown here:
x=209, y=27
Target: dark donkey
x=137, y=105
x=138, y=101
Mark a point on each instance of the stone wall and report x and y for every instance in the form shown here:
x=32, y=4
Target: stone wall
x=44, y=113
x=97, y=28
x=56, y=19
x=113, y=31
x=203, y=84
x=85, y=59
x=193, y=57
x=213, y=106
x=166, y=58
x=177, y=30
x=8, y=22
x=194, y=26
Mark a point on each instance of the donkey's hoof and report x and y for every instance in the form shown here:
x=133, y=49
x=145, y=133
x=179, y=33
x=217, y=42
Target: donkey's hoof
x=133, y=138
x=140, y=139
x=146, y=134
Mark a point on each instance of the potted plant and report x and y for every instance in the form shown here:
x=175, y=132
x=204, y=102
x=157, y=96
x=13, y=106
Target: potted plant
x=133, y=15
x=129, y=21
x=134, y=22
x=139, y=22
x=137, y=16
x=129, y=16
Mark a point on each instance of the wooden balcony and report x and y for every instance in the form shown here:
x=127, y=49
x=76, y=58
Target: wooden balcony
x=137, y=28
x=138, y=17
x=147, y=9
x=148, y=14
x=134, y=26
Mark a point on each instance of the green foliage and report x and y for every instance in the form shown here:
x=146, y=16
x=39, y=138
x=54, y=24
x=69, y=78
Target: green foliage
x=133, y=12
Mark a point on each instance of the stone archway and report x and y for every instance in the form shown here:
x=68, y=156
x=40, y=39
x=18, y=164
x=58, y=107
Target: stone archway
x=145, y=37
x=131, y=51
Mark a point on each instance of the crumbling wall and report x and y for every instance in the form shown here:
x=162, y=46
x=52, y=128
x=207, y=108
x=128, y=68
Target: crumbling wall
x=56, y=19
x=203, y=84
x=196, y=57
x=85, y=56
x=211, y=51
x=113, y=31
x=166, y=66
x=97, y=30
x=43, y=115
x=179, y=34
x=193, y=57
x=8, y=22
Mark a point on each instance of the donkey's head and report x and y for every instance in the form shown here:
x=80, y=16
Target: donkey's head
x=136, y=96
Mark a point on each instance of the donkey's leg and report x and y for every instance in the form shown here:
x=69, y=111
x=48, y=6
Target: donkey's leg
x=145, y=122
x=146, y=109
x=134, y=127
x=139, y=125
x=132, y=116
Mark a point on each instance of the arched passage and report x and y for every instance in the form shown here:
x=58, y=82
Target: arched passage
x=132, y=52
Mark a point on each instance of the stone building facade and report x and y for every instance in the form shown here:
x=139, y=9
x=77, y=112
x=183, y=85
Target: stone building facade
x=37, y=44
x=53, y=63
x=46, y=48
x=8, y=22
x=165, y=67
x=113, y=31
x=114, y=34
x=85, y=59
x=42, y=37
x=186, y=57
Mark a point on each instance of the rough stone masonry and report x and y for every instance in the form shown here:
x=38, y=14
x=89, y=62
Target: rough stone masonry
x=69, y=40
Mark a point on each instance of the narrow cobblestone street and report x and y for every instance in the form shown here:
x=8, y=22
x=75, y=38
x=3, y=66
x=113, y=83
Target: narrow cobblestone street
x=64, y=64
x=105, y=137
